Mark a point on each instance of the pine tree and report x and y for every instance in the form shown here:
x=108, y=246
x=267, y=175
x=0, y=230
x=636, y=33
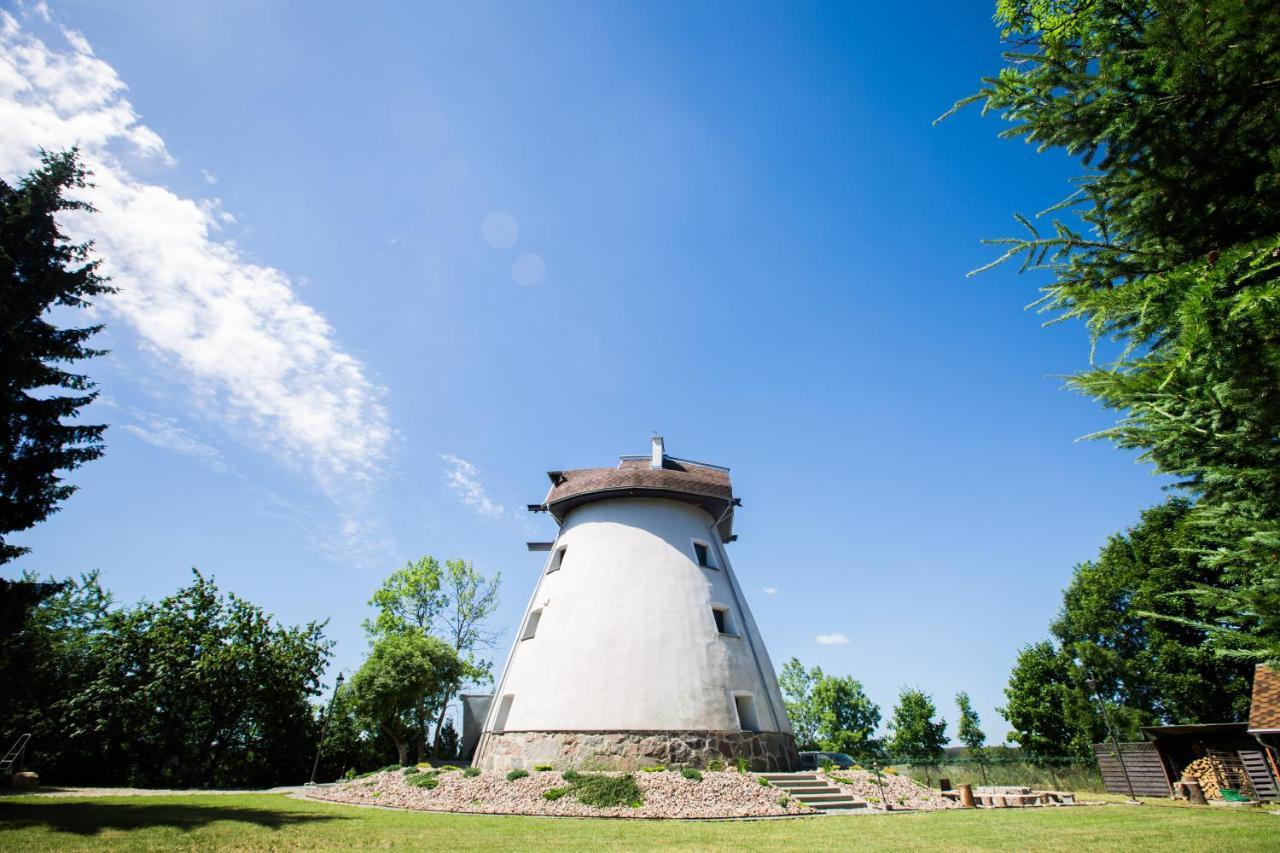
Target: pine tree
x=40, y=269
x=1174, y=113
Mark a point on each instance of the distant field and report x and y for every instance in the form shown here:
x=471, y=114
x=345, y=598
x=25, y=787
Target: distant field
x=274, y=821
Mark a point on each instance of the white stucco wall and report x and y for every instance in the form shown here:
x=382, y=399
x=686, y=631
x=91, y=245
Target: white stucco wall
x=626, y=639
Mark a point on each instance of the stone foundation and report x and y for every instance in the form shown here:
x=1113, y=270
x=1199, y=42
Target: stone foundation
x=631, y=750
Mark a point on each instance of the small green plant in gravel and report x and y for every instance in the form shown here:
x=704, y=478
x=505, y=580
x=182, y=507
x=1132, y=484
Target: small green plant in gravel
x=543, y=768
x=784, y=800
x=715, y=765
x=570, y=775
x=607, y=791
x=445, y=768
x=827, y=765
x=471, y=771
x=410, y=771
x=741, y=764
x=764, y=783
x=554, y=793
x=690, y=773
x=424, y=780
x=654, y=768
x=517, y=774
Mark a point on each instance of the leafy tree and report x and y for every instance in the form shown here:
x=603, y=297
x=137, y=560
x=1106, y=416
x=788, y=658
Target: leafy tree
x=351, y=744
x=1047, y=704
x=453, y=603
x=1171, y=109
x=40, y=269
x=913, y=732
x=969, y=729
x=401, y=669
x=797, y=697
x=846, y=717
x=199, y=688
x=828, y=712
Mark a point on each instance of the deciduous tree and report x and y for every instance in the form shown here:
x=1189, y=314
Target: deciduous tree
x=913, y=733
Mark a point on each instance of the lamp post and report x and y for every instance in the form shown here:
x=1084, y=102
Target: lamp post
x=324, y=728
x=1106, y=719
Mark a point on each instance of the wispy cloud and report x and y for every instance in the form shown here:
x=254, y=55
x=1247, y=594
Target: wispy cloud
x=770, y=590
x=831, y=640
x=209, y=177
x=170, y=435
x=464, y=479
x=253, y=356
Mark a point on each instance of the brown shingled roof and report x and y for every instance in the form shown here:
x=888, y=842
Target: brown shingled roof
x=1264, y=709
x=702, y=485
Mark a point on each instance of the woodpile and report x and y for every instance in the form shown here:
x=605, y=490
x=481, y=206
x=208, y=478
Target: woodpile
x=1207, y=771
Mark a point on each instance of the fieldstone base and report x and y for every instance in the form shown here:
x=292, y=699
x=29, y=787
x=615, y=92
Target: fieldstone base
x=631, y=750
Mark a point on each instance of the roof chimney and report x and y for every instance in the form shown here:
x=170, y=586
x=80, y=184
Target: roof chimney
x=658, y=450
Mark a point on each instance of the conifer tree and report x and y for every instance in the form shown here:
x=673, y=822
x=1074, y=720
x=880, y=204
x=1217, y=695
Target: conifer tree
x=41, y=270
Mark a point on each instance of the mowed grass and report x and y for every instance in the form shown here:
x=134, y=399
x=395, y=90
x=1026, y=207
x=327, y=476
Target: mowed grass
x=275, y=821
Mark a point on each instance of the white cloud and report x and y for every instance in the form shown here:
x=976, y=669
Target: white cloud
x=831, y=640
x=252, y=355
x=770, y=590
x=209, y=177
x=464, y=479
x=168, y=434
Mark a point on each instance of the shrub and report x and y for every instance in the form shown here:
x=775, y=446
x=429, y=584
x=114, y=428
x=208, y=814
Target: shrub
x=424, y=780
x=654, y=768
x=445, y=768
x=570, y=775
x=554, y=793
x=690, y=773
x=783, y=800
x=410, y=771
x=715, y=764
x=517, y=774
x=350, y=774
x=764, y=783
x=543, y=768
x=873, y=800
x=741, y=764
x=607, y=791
x=891, y=771
x=424, y=765
x=388, y=768
x=471, y=771
x=827, y=764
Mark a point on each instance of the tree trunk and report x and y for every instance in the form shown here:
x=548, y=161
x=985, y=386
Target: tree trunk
x=444, y=707
x=402, y=743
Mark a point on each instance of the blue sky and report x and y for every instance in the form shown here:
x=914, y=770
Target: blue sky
x=381, y=268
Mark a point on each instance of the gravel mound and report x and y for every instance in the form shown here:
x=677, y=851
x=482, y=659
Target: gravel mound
x=667, y=794
x=901, y=792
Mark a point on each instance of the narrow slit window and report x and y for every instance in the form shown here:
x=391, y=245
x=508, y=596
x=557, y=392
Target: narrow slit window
x=558, y=559
x=504, y=711
x=724, y=623
x=531, y=627
x=745, y=704
x=702, y=554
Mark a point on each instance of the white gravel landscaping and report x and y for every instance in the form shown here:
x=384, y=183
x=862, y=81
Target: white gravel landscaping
x=667, y=794
x=901, y=792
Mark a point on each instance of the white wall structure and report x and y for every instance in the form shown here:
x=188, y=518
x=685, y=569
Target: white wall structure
x=637, y=646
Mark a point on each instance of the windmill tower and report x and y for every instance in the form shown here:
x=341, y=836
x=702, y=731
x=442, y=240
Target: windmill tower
x=637, y=647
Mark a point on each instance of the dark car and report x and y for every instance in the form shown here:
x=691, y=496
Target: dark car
x=814, y=760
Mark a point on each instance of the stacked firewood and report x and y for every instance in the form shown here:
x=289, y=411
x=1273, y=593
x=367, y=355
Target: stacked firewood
x=1206, y=771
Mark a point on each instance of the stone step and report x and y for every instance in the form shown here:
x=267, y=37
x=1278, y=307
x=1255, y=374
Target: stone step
x=799, y=786
x=830, y=796
x=784, y=777
x=842, y=804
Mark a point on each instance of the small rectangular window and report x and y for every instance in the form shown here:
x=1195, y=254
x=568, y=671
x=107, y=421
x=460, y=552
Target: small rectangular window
x=746, y=707
x=724, y=622
x=531, y=627
x=557, y=560
x=700, y=551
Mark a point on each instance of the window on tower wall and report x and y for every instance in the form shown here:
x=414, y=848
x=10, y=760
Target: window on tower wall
x=702, y=554
x=724, y=622
x=745, y=705
x=557, y=559
x=531, y=627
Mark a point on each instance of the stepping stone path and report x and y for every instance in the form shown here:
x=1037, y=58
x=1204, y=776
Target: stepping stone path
x=813, y=792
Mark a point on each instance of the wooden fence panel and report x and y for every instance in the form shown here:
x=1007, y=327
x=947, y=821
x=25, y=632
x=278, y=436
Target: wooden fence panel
x=1146, y=770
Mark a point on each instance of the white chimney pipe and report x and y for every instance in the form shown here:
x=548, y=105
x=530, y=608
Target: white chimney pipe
x=658, y=449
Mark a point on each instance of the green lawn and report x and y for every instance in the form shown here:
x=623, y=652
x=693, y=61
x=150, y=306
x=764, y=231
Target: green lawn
x=261, y=821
